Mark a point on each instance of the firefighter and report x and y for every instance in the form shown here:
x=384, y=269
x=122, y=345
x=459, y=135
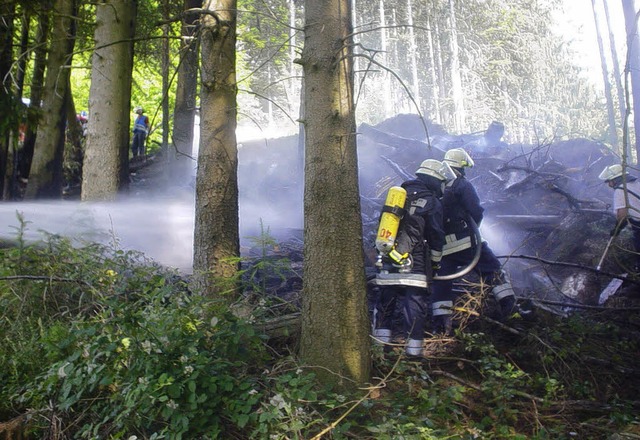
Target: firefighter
x=461, y=204
x=625, y=207
x=405, y=269
x=140, y=132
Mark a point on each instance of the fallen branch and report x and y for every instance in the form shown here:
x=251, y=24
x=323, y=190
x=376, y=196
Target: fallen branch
x=574, y=265
x=584, y=306
x=44, y=278
x=479, y=388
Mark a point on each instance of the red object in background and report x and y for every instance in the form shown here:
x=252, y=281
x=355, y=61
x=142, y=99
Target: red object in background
x=22, y=130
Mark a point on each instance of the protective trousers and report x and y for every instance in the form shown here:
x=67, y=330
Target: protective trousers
x=443, y=296
x=413, y=305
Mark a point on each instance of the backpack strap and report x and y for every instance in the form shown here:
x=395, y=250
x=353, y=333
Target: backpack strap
x=629, y=191
x=400, y=212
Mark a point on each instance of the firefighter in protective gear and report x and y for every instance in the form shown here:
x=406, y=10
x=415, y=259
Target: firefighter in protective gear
x=461, y=203
x=419, y=241
x=626, y=208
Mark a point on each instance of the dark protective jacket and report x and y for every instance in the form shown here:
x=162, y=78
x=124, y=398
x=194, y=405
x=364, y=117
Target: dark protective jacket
x=421, y=234
x=421, y=229
x=461, y=202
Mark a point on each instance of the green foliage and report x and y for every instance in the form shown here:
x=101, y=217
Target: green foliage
x=256, y=277
x=103, y=344
x=110, y=346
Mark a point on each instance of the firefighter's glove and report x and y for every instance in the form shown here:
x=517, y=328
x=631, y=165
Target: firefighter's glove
x=398, y=258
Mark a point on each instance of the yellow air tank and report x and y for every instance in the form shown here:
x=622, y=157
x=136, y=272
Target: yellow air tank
x=392, y=213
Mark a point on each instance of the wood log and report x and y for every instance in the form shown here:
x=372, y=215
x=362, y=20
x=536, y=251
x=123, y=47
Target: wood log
x=400, y=142
x=286, y=326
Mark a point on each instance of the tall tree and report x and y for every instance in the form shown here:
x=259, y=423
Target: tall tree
x=184, y=111
x=632, y=67
x=37, y=87
x=613, y=136
x=459, y=114
x=45, y=177
x=435, y=89
x=216, y=234
x=335, y=324
x=617, y=76
x=7, y=10
x=415, y=83
x=105, y=166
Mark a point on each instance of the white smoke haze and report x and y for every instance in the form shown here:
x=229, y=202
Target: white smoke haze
x=161, y=228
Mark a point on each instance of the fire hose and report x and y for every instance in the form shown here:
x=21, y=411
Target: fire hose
x=472, y=264
x=606, y=250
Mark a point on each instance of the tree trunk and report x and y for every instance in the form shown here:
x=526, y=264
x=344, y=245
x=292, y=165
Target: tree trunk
x=165, y=77
x=25, y=20
x=444, y=111
x=11, y=189
x=293, y=81
x=632, y=67
x=616, y=63
x=45, y=177
x=106, y=160
x=613, y=136
x=37, y=80
x=73, y=151
x=216, y=235
x=435, y=89
x=387, y=99
x=413, y=49
x=335, y=324
x=459, y=116
x=182, y=162
x=7, y=11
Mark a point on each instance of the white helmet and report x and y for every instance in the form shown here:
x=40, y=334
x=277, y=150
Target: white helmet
x=458, y=158
x=611, y=172
x=139, y=110
x=435, y=168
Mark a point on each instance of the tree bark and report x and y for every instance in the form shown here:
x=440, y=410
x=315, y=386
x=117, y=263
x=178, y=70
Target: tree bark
x=45, y=177
x=335, y=325
x=37, y=81
x=413, y=49
x=445, y=112
x=182, y=162
x=165, y=62
x=106, y=160
x=459, y=116
x=7, y=11
x=387, y=99
x=632, y=67
x=73, y=152
x=613, y=136
x=615, y=62
x=216, y=235
x=435, y=88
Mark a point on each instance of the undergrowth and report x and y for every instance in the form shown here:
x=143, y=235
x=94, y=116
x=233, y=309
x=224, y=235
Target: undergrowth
x=99, y=343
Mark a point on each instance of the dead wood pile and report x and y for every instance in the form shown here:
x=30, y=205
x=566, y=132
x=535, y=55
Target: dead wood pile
x=544, y=203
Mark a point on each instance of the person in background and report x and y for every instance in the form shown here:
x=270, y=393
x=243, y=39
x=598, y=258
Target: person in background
x=461, y=205
x=83, y=119
x=416, y=254
x=626, y=203
x=140, y=131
